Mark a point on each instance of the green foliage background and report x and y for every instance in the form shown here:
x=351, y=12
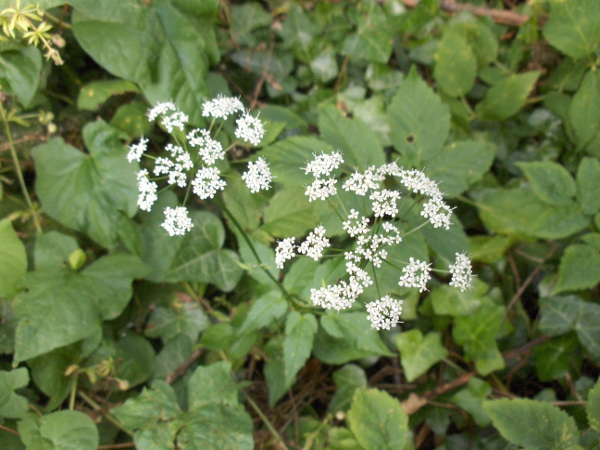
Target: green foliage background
x=113, y=333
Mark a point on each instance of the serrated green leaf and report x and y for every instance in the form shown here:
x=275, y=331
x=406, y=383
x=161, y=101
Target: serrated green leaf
x=533, y=424
x=61, y=430
x=470, y=399
x=274, y=370
x=592, y=407
x=574, y=27
x=588, y=188
x=481, y=38
x=506, y=97
x=212, y=384
x=264, y=310
x=419, y=121
x=242, y=203
x=579, y=269
x=88, y=192
x=347, y=380
x=13, y=260
x=289, y=214
x=418, y=353
x=13, y=406
x=488, y=249
x=22, y=69
x=93, y=94
x=378, y=420
x=456, y=65
x=555, y=357
x=300, y=332
x=551, y=182
x=584, y=110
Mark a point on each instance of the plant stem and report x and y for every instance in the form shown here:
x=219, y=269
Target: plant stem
x=266, y=421
x=107, y=415
x=73, y=393
x=15, y=159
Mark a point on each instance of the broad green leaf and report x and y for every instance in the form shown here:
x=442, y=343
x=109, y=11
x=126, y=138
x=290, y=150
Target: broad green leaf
x=264, y=311
x=588, y=188
x=13, y=406
x=470, y=399
x=8, y=327
x=174, y=353
x=488, y=249
x=579, y=269
x=324, y=66
x=136, y=358
x=93, y=94
x=481, y=38
x=257, y=268
x=246, y=18
x=447, y=300
x=459, y=165
x=506, y=97
x=555, y=357
x=61, y=430
x=418, y=353
x=167, y=323
x=347, y=380
x=13, y=260
x=574, y=27
x=274, y=370
x=131, y=118
x=159, y=437
x=584, y=110
x=520, y=212
x=242, y=203
x=289, y=214
x=52, y=250
x=551, y=182
x=592, y=407
x=477, y=334
x=88, y=192
x=354, y=138
x=419, y=121
x=456, y=65
x=300, y=332
x=298, y=32
x=378, y=420
x=374, y=37
x=533, y=424
x=22, y=69
x=212, y=384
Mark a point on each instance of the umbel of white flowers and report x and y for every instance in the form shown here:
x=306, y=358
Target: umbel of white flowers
x=191, y=163
x=372, y=242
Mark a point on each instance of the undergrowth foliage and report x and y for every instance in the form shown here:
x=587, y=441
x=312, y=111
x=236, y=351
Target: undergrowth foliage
x=319, y=225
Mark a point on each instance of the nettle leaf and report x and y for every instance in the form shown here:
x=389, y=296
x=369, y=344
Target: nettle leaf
x=471, y=398
x=551, y=182
x=592, y=407
x=574, y=27
x=418, y=353
x=61, y=430
x=588, y=188
x=419, y=121
x=22, y=69
x=289, y=214
x=378, y=420
x=533, y=424
x=456, y=65
x=13, y=260
x=584, y=110
x=506, y=97
x=347, y=380
x=300, y=332
x=88, y=192
x=13, y=406
x=579, y=269
x=264, y=311
x=160, y=47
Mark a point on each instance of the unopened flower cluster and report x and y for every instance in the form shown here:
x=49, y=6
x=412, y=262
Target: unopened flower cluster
x=373, y=238
x=190, y=163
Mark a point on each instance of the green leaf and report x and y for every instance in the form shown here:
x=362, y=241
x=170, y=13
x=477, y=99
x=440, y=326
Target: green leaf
x=378, y=420
x=13, y=260
x=167, y=323
x=456, y=65
x=488, y=249
x=289, y=214
x=93, y=94
x=347, y=380
x=13, y=406
x=264, y=311
x=131, y=118
x=88, y=192
x=533, y=424
x=374, y=37
x=418, y=353
x=274, y=370
x=174, y=353
x=584, y=110
x=459, y=165
x=574, y=27
x=555, y=357
x=8, y=326
x=551, y=182
x=298, y=33
x=246, y=18
x=481, y=38
x=506, y=97
x=61, y=430
x=212, y=384
x=579, y=269
x=471, y=398
x=22, y=69
x=136, y=358
x=592, y=407
x=300, y=332
x=447, y=300
x=353, y=137
x=242, y=203
x=419, y=121
x=588, y=188
x=324, y=66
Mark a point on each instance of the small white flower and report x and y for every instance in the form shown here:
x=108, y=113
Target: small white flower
x=171, y=116
x=284, y=251
x=462, y=273
x=160, y=109
x=175, y=170
x=222, y=107
x=417, y=181
x=384, y=313
x=258, y=177
x=177, y=221
x=207, y=182
x=384, y=202
x=314, y=244
x=324, y=164
x=321, y=189
x=390, y=169
x=338, y=296
x=361, y=183
x=438, y=212
x=147, y=191
x=209, y=149
x=250, y=129
x=136, y=150
x=415, y=274
x=355, y=226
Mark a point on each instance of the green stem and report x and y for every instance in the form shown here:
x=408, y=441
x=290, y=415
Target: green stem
x=73, y=393
x=266, y=421
x=311, y=438
x=416, y=229
x=375, y=279
x=15, y=159
x=108, y=416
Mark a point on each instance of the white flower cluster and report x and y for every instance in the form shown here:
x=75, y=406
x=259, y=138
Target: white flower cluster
x=312, y=247
x=384, y=314
x=195, y=157
x=416, y=274
x=322, y=166
x=462, y=273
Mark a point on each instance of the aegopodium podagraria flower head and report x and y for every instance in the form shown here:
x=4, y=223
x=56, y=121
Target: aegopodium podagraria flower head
x=190, y=161
x=388, y=192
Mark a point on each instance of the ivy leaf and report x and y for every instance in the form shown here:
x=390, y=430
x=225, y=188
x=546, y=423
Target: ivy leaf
x=533, y=424
x=347, y=380
x=447, y=300
x=551, y=182
x=471, y=398
x=13, y=260
x=506, y=97
x=88, y=192
x=13, y=406
x=300, y=332
x=418, y=353
x=61, y=430
x=378, y=420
